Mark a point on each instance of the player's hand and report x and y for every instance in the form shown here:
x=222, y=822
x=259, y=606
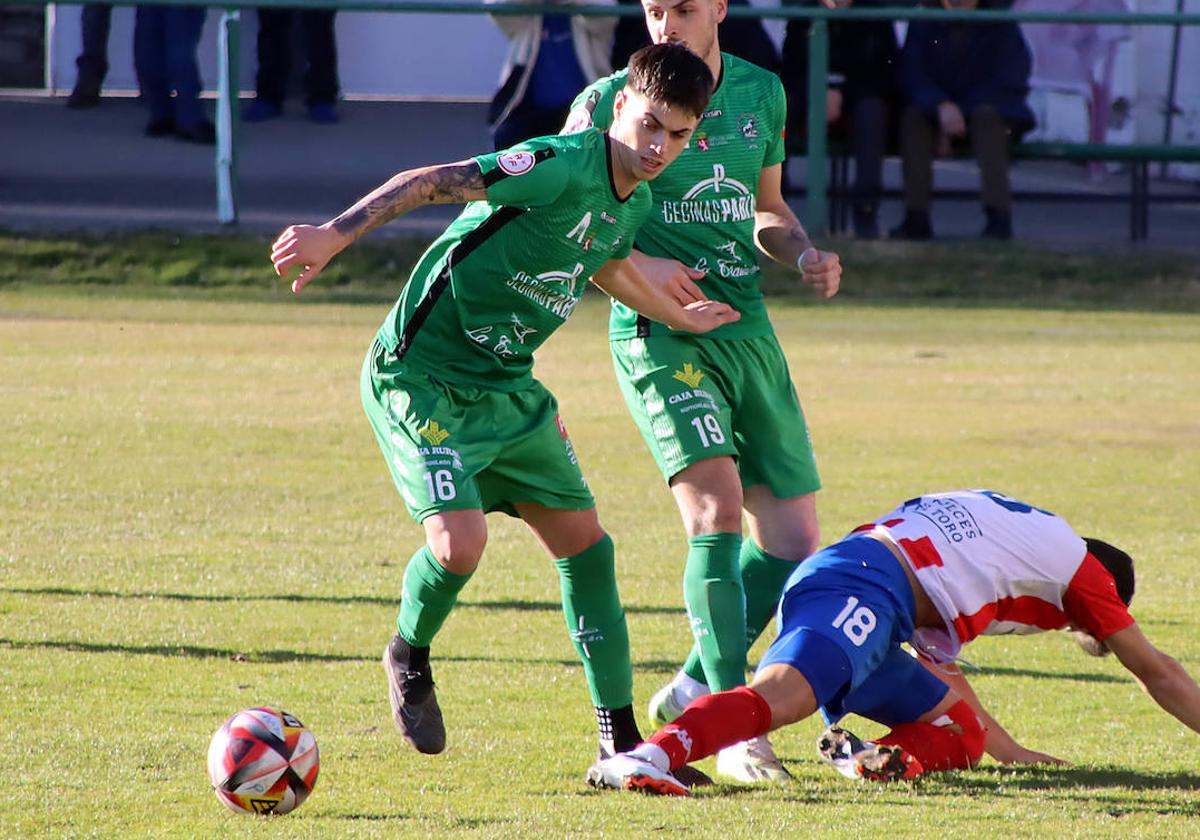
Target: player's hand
x=672, y=278
x=950, y=117
x=822, y=272
x=1019, y=755
x=307, y=248
x=833, y=105
x=701, y=316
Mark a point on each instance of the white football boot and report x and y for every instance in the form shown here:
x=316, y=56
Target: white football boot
x=627, y=772
x=752, y=761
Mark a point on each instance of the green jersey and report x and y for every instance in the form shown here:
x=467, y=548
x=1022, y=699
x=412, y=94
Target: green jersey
x=704, y=202
x=509, y=270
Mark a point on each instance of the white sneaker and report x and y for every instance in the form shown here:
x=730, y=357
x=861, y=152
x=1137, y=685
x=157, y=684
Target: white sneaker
x=626, y=772
x=752, y=761
x=664, y=706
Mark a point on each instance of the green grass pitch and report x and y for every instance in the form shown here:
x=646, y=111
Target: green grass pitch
x=194, y=519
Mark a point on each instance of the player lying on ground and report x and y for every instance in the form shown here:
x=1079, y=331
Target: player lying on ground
x=719, y=413
x=936, y=572
x=447, y=385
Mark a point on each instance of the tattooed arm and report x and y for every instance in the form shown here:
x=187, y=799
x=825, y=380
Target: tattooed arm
x=311, y=247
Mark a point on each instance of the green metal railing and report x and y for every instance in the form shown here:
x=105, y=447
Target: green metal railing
x=817, y=207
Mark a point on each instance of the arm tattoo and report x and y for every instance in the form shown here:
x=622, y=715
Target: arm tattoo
x=454, y=183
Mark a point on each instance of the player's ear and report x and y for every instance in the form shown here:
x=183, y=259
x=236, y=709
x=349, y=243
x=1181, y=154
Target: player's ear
x=722, y=8
x=619, y=104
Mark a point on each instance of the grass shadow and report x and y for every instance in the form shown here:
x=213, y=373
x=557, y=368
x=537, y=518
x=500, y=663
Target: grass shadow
x=1074, y=676
x=276, y=657
x=515, y=605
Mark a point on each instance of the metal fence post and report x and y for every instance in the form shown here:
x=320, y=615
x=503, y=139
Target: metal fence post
x=228, y=53
x=818, y=81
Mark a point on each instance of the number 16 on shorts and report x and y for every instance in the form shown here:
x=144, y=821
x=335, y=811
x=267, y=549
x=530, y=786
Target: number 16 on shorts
x=440, y=484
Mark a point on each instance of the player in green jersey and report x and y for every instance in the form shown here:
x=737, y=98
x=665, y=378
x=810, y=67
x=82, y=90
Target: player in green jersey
x=447, y=386
x=719, y=412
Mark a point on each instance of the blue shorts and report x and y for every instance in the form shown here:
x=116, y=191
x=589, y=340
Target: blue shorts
x=844, y=614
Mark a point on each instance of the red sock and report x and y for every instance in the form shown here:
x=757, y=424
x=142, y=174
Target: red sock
x=941, y=747
x=713, y=722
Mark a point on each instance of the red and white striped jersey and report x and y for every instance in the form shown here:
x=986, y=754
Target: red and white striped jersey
x=993, y=565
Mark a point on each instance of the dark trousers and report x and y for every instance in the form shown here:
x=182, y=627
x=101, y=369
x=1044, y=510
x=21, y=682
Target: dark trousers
x=990, y=135
x=528, y=121
x=94, y=21
x=164, y=54
x=868, y=142
x=275, y=55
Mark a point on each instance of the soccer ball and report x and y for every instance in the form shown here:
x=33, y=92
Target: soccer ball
x=262, y=761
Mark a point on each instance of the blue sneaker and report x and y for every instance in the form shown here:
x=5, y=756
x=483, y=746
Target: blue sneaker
x=323, y=113
x=260, y=110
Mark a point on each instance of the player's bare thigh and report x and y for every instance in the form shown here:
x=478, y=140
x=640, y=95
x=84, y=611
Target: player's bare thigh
x=456, y=538
x=563, y=533
x=786, y=528
x=709, y=496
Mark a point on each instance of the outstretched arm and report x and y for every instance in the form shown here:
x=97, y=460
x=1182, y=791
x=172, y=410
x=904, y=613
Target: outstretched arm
x=1158, y=674
x=781, y=237
x=311, y=248
x=999, y=744
x=621, y=279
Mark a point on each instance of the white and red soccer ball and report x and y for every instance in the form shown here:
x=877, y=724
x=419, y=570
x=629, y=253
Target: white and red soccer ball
x=263, y=761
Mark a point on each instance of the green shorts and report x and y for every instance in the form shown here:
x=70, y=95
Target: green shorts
x=469, y=448
x=695, y=398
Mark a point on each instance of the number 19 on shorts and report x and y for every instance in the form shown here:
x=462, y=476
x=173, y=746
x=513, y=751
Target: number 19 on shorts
x=440, y=484
x=709, y=430
x=855, y=621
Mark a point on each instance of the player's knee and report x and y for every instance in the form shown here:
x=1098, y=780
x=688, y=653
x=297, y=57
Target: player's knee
x=458, y=549
x=714, y=513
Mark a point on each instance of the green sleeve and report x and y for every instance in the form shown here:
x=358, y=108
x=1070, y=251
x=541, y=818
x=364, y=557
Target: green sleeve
x=593, y=107
x=776, y=153
x=531, y=174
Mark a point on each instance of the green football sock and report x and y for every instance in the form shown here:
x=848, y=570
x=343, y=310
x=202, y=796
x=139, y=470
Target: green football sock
x=596, y=622
x=712, y=591
x=763, y=577
x=430, y=591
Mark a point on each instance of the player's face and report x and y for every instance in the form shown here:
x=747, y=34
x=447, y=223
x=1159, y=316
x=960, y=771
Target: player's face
x=649, y=134
x=692, y=23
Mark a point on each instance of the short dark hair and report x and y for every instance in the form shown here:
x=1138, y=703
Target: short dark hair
x=1120, y=566
x=672, y=74
x=1118, y=563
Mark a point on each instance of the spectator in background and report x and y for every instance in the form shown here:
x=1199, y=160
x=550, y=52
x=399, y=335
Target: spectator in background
x=962, y=79
x=744, y=37
x=164, y=54
x=550, y=59
x=860, y=102
x=275, y=63
x=92, y=64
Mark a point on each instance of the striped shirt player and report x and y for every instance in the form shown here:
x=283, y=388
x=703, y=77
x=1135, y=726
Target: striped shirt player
x=937, y=572
x=448, y=386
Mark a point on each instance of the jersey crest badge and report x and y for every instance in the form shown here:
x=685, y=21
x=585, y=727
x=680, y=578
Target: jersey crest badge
x=433, y=432
x=515, y=163
x=689, y=376
x=748, y=126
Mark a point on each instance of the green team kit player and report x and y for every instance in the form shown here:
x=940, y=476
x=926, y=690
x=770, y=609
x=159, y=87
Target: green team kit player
x=447, y=384
x=719, y=412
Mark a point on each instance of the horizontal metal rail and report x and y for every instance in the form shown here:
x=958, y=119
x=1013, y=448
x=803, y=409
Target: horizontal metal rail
x=817, y=209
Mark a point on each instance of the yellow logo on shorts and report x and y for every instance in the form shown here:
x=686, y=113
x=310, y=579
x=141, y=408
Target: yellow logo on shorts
x=432, y=432
x=689, y=375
